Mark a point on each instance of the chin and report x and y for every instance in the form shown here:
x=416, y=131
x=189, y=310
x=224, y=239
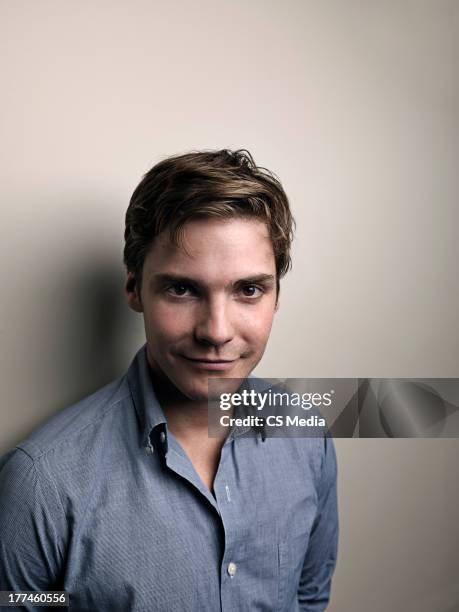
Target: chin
x=196, y=395
x=192, y=389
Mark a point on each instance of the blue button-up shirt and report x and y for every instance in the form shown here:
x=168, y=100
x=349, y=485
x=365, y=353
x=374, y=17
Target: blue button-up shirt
x=103, y=502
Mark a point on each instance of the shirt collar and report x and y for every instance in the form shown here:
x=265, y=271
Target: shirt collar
x=149, y=411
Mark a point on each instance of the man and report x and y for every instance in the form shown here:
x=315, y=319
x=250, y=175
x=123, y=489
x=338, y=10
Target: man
x=123, y=500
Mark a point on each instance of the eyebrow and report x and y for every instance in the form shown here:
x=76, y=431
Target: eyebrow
x=161, y=279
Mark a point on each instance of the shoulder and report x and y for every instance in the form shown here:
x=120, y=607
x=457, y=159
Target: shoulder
x=47, y=479
x=70, y=443
x=86, y=418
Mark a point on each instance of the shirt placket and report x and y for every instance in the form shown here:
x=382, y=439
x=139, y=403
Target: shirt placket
x=227, y=496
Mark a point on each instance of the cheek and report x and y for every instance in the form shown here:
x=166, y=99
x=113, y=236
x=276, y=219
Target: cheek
x=167, y=322
x=258, y=326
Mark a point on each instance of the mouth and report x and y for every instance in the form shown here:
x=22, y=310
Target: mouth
x=216, y=365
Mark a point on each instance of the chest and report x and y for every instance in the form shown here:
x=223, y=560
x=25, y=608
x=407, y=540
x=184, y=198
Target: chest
x=205, y=457
x=149, y=536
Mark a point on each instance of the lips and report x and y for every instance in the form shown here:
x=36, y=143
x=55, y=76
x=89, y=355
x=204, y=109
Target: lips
x=210, y=364
x=204, y=360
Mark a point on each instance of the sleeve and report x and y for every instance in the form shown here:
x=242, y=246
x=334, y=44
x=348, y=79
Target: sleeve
x=320, y=559
x=31, y=525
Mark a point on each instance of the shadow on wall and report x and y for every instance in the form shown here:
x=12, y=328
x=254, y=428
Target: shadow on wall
x=94, y=325
x=86, y=337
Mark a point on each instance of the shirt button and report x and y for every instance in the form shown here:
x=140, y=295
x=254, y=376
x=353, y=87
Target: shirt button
x=162, y=437
x=232, y=568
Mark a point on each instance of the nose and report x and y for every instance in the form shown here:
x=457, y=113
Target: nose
x=214, y=326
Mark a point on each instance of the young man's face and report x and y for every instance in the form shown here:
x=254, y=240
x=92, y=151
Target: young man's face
x=208, y=306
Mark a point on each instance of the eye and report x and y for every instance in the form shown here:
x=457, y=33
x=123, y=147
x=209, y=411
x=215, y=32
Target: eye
x=180, y=290
x=251, y=291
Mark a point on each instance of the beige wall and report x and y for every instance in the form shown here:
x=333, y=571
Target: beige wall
x=355, y=105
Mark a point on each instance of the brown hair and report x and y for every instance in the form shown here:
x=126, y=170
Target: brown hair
x=206, y=184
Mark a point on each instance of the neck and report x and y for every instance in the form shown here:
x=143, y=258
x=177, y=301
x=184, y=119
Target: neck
x=187, y=420
x=185, y=417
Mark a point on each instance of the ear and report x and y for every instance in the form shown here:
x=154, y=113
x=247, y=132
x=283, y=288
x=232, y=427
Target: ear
x=133, y=293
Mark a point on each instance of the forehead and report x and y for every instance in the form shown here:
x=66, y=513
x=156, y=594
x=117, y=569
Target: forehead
x=214, y=248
